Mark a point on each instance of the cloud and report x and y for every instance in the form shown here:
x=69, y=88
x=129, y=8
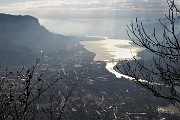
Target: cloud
x=90, y=4
x=81, y=8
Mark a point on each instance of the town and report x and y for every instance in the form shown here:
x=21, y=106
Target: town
x=83, y=89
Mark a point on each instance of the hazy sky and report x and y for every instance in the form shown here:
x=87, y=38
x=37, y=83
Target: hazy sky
x=86, y=8
x=102, y=17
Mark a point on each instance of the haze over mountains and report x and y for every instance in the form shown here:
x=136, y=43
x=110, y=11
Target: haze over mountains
x=149, y=26
x=22, y=38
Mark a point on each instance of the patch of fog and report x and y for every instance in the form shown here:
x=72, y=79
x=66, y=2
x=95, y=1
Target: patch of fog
x=115, y=28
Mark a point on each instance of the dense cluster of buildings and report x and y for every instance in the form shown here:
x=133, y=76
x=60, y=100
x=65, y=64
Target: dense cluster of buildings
x=87, y=90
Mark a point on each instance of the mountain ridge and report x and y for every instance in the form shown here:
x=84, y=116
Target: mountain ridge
x=24, y=34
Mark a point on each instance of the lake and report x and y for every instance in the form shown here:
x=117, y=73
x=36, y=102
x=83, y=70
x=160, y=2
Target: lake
x=111, y=51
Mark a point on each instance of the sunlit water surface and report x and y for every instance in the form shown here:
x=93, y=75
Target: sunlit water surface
x=111, y=51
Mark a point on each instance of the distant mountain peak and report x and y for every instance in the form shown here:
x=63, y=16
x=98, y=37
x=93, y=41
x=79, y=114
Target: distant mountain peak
x=19, y=16
x=8, y=18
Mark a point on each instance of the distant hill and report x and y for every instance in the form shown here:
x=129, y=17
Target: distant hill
x=149, y=26
x=22, y=38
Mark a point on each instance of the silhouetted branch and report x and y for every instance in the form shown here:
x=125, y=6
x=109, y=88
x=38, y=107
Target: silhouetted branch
x=163, y=68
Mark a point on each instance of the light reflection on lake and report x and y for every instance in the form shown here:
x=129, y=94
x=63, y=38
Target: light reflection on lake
x=111, y=49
